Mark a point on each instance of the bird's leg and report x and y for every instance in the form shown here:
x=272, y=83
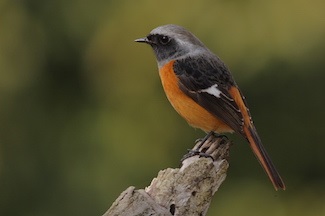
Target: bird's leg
x=199, y=143
x=203, y=140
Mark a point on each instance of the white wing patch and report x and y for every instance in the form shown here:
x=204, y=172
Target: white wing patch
x=213, y=90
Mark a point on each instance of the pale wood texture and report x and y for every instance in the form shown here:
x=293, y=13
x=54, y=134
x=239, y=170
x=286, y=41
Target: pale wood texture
x=181, y=191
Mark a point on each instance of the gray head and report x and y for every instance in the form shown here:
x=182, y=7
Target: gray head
x=171, y=42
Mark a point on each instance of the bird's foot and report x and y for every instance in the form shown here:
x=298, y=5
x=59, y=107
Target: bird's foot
x=202, y=146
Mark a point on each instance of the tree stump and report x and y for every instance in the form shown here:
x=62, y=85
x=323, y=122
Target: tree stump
x=181, y=191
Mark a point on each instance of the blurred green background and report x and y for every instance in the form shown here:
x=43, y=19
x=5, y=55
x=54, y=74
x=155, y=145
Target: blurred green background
x=83, y=114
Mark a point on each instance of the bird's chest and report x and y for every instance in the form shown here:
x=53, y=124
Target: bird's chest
x=175, y=95
x=192, y=112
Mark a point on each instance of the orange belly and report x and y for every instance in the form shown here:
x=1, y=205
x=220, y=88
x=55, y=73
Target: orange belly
x=192, y=112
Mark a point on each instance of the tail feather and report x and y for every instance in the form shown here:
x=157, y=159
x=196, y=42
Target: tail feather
x=263, y=158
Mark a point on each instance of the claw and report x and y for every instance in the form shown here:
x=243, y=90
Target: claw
x=190, y=153
x=206, y=146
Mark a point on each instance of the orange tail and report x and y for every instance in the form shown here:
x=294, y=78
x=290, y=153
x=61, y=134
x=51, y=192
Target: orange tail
x=263, y=158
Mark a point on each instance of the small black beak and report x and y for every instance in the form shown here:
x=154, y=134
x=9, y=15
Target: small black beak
x=142, y=40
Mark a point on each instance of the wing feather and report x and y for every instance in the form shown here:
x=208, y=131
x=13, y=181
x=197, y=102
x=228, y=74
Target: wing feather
x=197, y=75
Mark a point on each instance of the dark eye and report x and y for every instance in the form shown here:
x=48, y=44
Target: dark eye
x=164, y=40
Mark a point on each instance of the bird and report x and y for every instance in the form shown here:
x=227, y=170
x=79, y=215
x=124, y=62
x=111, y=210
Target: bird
x=203, y=91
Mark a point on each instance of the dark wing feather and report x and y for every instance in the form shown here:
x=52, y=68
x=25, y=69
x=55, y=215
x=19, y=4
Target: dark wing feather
x=201, y=73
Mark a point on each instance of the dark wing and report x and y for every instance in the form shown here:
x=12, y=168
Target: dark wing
x=197, y=75
x=208, y=82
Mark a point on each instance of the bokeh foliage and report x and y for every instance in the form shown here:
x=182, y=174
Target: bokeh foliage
x=83, y=114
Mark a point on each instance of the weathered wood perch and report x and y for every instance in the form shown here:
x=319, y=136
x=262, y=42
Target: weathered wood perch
x=182, y=191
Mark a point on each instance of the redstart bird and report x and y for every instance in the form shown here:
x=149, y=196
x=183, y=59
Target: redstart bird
x=202, y=90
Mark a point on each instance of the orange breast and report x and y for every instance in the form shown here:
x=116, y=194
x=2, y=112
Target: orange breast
x=192, y=112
